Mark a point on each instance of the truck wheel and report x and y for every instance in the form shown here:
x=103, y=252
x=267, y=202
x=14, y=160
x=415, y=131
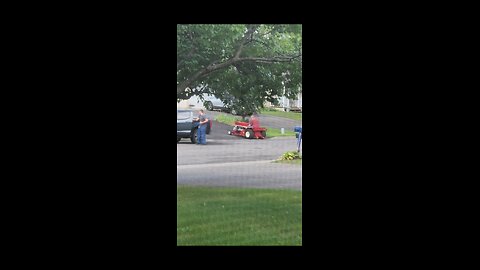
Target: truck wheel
x=208, y=105
x=193, y=136
x=264, y=134
x=249, y=134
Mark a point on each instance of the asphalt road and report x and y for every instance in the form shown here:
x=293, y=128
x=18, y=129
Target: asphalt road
x=254, y=174
x=234, y=161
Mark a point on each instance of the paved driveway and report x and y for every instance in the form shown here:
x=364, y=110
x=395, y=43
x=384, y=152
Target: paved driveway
x=234, y=161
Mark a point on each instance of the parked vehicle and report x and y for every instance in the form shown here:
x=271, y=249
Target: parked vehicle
x=213, y=103
x=187, y=127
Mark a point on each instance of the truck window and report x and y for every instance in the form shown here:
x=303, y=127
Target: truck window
x=183, y=115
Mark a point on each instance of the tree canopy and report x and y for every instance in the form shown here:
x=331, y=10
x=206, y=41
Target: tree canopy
x=251, y=62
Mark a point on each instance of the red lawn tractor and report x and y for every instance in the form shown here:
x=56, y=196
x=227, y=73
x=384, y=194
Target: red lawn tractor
x=244, y=129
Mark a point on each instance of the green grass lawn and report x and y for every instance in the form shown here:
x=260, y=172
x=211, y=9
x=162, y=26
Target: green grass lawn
x=291, y=115
x=238, y=217
x=228, y=119
x=276, y=132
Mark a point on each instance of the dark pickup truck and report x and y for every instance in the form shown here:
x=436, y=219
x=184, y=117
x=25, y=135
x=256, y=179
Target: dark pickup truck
x=186, y=127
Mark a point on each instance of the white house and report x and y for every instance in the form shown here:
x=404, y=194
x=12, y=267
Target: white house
x=291, y=104
x=287, y=104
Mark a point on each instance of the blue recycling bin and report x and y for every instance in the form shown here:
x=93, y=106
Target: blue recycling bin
x=298, y=135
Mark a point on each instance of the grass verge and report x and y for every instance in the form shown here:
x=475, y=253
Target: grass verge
x=275, y=132
x=238, y=217
x=290, y=115
x=227, y=119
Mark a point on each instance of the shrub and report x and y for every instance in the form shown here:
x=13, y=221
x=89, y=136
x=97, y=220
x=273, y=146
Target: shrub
x=291, y=155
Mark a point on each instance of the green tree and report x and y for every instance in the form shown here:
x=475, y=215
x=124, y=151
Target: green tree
x=253, y=63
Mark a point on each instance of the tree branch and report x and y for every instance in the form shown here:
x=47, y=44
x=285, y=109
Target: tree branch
x=248, y=36
x=276, y=59
x=211, y=68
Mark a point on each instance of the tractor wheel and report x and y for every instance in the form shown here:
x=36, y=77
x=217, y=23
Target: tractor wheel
x=249, y=133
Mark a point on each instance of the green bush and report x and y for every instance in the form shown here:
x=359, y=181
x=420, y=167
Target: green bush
x=291, y=155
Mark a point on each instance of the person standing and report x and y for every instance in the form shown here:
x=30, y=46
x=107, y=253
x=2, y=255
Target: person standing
x=202, y=128
x=254, y=121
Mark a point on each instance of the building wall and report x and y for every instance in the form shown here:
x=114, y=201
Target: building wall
x=284, y=102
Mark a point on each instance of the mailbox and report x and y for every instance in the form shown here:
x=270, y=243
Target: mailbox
x=298, y=131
